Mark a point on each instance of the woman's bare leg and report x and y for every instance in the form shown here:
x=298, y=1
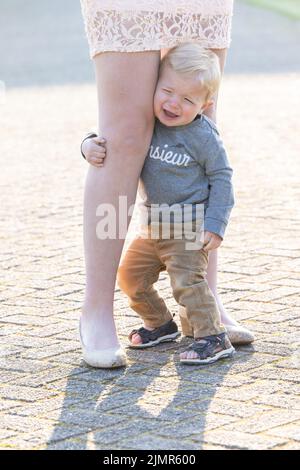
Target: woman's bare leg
x=212, y=281
x=213, y=255
x=125, y=85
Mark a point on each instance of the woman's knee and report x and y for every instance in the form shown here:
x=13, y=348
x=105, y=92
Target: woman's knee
x=131, y=136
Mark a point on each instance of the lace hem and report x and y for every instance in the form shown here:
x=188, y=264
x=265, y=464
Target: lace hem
x=133, y=30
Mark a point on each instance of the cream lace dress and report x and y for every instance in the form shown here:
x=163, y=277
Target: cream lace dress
x=144, y=25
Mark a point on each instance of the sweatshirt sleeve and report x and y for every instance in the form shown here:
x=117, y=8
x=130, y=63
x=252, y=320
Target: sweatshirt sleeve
x=221, y=196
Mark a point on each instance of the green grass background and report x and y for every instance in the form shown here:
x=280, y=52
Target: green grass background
x=289, y=8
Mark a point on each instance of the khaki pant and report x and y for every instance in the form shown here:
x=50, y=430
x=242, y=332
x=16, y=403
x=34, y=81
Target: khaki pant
x=140, y=269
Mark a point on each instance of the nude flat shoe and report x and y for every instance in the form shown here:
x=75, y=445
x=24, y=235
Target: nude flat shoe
x=109, y=358
x=239, y=334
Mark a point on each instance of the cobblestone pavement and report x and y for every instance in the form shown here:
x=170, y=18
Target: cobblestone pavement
x=50, y=398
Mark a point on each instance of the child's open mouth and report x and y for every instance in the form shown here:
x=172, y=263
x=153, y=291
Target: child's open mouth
x=169, y=114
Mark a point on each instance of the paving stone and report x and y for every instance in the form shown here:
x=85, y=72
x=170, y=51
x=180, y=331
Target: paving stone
x=235, y=381
x=149, y=410
x=17, y=443
x=264, y=422
x=76, y=387
x=292, y=362
x=291, y=431
x=66, y=336
x=243, y=363
x=8, y=329
x=290, y=446
x=279, y=400
x=10, y=350
x=7, y=404
x=48, y=331
x=23, y=424
x=274, y=294
x=42, y=407
x=5, y=434
x=235, y=408
x=54, y=374
x=242, y=440
x=192, y=396
x=213, y=447
x=108, y=401
x=115, y=434
x=55, y=434
x=51, y=351
x=141, y=381
x=71, y=358
x=30, y=342
x=271, y=329
x=205, y=376
x=276, y=373
x=269, y=348
x=294, y=323
x=67, y=444
x=90, y=416
x=27, y=394
x=257, y=308
x=286, y=314
x=195, y=428
x=245, y=286
x=9, y=376
x=291, y=301
x=25, y=320
x=152, y=357
x=280, y=337
x=286, y=282
x=243, y=394
x=149, y=442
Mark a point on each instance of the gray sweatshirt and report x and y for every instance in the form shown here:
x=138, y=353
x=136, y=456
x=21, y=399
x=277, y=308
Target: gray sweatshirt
x=189, y=165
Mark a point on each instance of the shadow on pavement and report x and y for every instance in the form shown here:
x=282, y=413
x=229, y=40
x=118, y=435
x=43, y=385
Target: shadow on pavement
x=156, y=403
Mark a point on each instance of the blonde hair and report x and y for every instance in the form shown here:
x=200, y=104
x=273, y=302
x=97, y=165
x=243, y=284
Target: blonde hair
x=193, y=59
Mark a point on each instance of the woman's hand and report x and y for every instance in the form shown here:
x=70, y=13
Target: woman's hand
x=211, y=241
x=94, y=151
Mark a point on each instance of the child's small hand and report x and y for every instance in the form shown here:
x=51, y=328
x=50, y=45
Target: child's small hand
x=95, y=151
x=211, y=241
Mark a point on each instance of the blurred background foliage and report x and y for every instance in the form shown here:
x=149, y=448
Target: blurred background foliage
x=289, y=8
